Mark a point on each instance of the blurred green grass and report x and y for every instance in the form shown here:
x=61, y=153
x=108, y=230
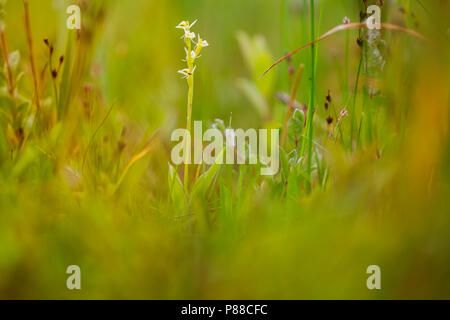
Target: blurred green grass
x=384, y=203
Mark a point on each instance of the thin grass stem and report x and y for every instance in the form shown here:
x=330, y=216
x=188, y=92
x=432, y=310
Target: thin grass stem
x=5, y=54
x=309, y=126
x=31, y=54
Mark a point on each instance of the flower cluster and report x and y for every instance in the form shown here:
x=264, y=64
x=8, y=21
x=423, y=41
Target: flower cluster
x=191, y=54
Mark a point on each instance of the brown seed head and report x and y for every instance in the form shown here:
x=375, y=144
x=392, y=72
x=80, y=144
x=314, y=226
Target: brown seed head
x=329, y=120
x=329, y=96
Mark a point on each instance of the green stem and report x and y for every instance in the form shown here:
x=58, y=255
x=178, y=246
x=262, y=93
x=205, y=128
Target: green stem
x=318, y=34
x=346, y=75
x=353, y=109
x=309, y=126
x=409, y=15
x=346, y=71
x=366, y=88
x=188, y=130
x=187, y=140
x=284, y=26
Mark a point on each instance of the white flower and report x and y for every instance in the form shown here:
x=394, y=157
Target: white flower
x=185, y=25
x=182, y=25
x=187, y=54
x=188, y=34
x=186, y=72
x=346, y=20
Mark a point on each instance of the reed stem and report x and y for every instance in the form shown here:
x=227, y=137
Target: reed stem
x=188, y=129
x=4, y=49
x=309, y=118
x=31, y=54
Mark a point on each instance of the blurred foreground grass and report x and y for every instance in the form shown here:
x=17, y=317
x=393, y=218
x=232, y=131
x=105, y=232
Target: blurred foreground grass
x=71, y=192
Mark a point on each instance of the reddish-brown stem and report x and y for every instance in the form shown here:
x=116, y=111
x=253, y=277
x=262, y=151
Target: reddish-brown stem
x=5, y=54
x=341, y=27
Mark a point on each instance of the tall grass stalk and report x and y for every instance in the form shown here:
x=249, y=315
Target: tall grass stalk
x=309, y=125
x=353, y=106
x=284, y=26
x=346, y=71
x=317, y=35
x=188, y=128
x=346, y=74
x=31, y=54
x=367, y=105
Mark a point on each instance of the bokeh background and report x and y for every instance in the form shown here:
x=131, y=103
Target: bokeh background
x=74, y=188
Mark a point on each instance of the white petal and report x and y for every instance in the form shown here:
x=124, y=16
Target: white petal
x=190, y=26
x=182, y=25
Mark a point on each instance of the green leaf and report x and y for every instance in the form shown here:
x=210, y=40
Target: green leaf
x=176, y=189
x=285, y=168
x=257, y=57
x=258, y=101
x=226, y=204
x=292, y=190
x=26, y=159
x=7, y=103
x=23, y=108
x=3, y=79
x=3, y=146
x=296, y=127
